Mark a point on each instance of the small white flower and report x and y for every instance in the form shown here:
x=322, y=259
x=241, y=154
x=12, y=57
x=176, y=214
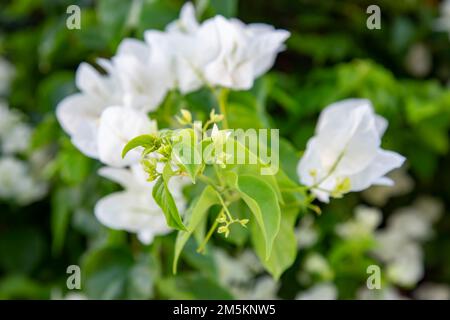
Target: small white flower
x=134, y=209
x=345, y=154
x=118, y=125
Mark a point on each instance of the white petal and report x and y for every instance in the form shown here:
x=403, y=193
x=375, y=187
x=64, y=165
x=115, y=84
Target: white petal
x=347, y=130
x=187, y=23
x=122, y=176
x=78, y=115
x=90, y=81
x=118, y=125
x=123, y=211
x=384, y=162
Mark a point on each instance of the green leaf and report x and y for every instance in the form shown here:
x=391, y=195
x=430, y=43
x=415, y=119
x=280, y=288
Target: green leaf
x=263, y=202
x=145, y=140
x=164, y=199
x=195, y=215
x=284, y=248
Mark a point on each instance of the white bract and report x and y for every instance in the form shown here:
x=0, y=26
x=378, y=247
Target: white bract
x=141, y=73
x=118, y=125
x=345, y=153
x=79, y=113
x=134, y=209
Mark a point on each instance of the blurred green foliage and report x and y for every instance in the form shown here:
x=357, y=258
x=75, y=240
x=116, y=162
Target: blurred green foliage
x=331, y=55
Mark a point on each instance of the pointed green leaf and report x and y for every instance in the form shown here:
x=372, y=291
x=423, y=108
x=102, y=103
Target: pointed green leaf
x=284, y=248
x=164, y=199
x=263, y=203
x=195, y=215
x=145, y=140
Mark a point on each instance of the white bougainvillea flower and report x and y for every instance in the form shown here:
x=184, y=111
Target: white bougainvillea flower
x=142, y=75
x=345, y=154
x=134, y=209
x=218, y=52
x=79, y=113
x=186, y=47
x=245, y=52
x=118, y=125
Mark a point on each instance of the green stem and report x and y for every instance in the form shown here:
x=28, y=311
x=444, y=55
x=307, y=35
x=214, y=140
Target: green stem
x=201, y=248
x=223, y=106
x=207, y=180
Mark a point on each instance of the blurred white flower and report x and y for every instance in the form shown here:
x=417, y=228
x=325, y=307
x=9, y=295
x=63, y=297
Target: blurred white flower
x=320, y=291
x=79, y=114
x=306, y=234
x=315, y=263
x=17, y=183
x=345, y=154
x=118, y=125
x=399, y=244
x=238, y=275
x=419, y=60
x=388, y=293
x=443, y=22
x=17, y=140
x=6, y=74
x=14, y=133
x=406, y=268
x=232, y=271
x=134, y=209
x=363, y=225
x=432, y=291
x=264, y=288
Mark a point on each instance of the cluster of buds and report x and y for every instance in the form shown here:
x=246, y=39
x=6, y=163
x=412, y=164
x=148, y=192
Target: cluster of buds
x=226, y=221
